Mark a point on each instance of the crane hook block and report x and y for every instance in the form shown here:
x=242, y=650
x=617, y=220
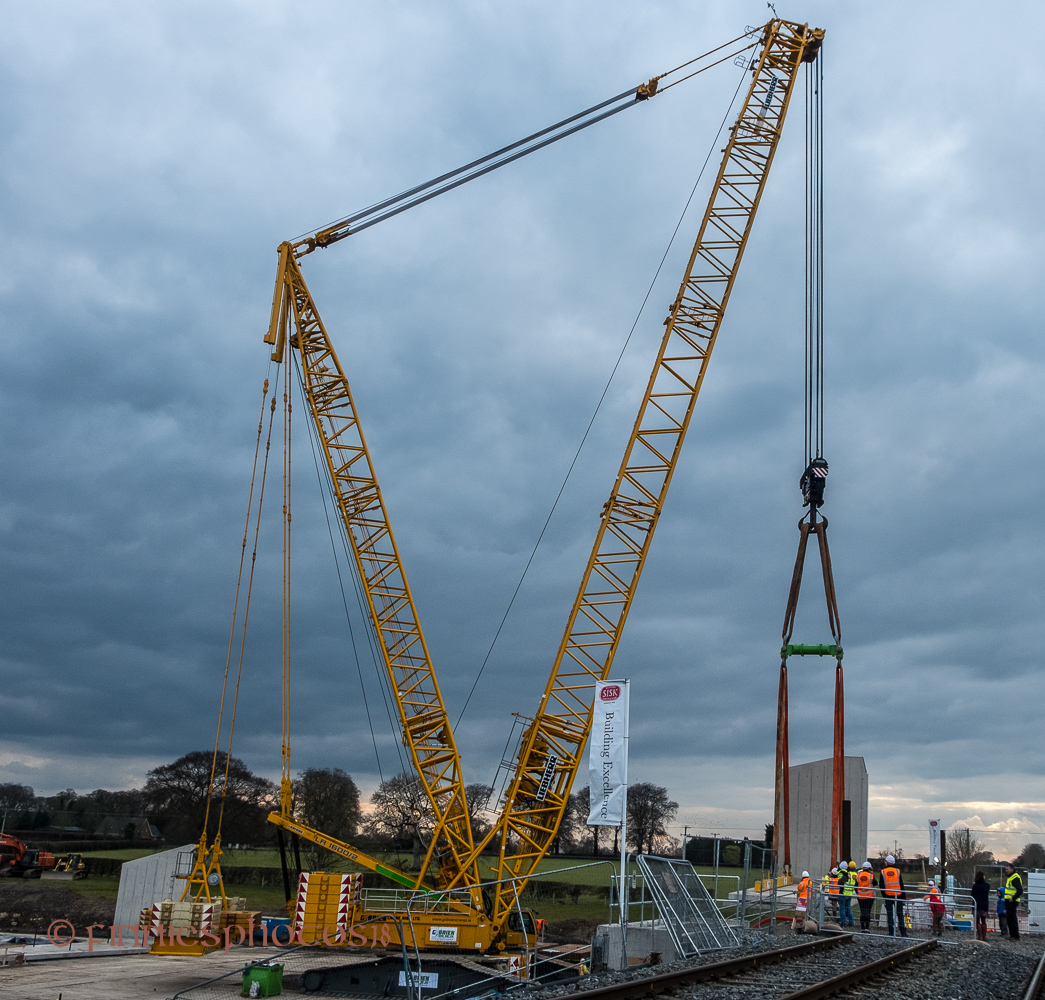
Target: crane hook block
x=812, y=483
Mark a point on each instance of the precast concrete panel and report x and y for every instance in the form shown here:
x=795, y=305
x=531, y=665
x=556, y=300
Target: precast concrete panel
x=144, y=882
x=810, y=825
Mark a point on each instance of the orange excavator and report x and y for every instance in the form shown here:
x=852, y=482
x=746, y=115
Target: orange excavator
x=17, y=860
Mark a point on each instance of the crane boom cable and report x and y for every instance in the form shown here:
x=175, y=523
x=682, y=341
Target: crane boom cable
x=246, y=611
x=235, y=602
x=602, y=397
x=420, y=193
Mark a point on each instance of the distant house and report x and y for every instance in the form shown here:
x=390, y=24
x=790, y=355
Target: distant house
x=127, y=828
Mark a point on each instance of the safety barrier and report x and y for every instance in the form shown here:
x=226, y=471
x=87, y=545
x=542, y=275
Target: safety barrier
x=959, y=910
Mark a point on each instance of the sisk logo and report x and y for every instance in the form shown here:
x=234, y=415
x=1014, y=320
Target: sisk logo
x=611, y=692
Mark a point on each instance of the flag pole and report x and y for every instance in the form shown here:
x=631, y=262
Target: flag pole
x=622, y=886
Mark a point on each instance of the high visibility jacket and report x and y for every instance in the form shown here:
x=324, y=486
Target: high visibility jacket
x=825, y=885
x=891, y=881
x=803, y=888
x=848, y=886
x=865, y=884
x=1013, y=886
x=832, y=884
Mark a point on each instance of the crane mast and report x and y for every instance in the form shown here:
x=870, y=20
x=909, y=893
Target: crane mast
x=296, y=324
x=550, y=751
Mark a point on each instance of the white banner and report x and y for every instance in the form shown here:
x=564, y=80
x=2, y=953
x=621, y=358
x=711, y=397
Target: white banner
x=934, y=841
x=608, y=754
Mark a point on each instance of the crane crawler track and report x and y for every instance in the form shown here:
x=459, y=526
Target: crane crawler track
x=671, y=982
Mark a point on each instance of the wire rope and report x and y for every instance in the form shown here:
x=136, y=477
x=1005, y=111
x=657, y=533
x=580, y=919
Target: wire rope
x=325, y=491
x=235, y=602
x=601, y=399
x=814, y=262
x=387, y=208
x=246, y=610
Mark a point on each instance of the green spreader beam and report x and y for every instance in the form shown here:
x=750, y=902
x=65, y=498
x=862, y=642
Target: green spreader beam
x=803, y=649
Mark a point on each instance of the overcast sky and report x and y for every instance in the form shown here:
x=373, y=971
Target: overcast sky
x=152, y=157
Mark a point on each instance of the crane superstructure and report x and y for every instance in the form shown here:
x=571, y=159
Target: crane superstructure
x=550, y=751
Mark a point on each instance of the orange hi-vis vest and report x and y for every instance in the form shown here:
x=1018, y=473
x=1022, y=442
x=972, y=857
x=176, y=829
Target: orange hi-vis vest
x=864, y=886
x=891, y=878
x=832, y=885
x=803, y=888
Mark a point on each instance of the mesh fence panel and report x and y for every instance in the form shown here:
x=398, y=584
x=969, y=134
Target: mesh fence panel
x=686, y=907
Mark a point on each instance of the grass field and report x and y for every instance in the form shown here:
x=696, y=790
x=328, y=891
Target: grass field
x=579, y=871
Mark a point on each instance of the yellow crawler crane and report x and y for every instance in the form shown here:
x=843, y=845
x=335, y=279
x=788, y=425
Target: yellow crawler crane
x=454, y=908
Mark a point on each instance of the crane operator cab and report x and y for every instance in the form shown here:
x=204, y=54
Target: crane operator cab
x=521, y=930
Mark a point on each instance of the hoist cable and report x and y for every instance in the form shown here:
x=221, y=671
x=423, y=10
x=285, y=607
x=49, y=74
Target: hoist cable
x=601, y=399
x=814, y=264
x=235, y=602
x=287, y=484
x=325, y=491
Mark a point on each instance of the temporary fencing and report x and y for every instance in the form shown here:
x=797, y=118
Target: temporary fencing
x=959, y=910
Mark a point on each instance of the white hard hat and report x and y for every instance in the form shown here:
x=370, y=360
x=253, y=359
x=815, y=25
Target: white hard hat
x=932, y=881
x=805, y=874
x=890, y=860
x=834, y=871
x=843, y=864
x=866, y=864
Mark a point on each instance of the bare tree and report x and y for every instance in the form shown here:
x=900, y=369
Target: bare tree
x=580, y=806
x=177, y=794
x=964, y=853
x=402, y=812
x=327, y=800
x=649, y=812
x=478, y=798
x=15, y=799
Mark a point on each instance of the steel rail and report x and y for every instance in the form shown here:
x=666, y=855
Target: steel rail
x=653, y=985
x=1035, y=989
x=829, y=987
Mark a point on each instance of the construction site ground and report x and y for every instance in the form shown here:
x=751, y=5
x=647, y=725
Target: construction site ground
x=122, y=977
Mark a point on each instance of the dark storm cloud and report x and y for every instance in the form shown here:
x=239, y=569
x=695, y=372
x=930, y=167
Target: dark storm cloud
x=153, y=157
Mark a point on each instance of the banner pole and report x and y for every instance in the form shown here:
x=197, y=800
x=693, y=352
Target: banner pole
x=622, y=886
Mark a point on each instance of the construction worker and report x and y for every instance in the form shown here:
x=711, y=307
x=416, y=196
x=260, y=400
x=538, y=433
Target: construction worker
x=936, y=907
x=1013, y=892
x=893, y=894
x=831, y=899
x=865, y=894
x=802, y=891
x=846, y=890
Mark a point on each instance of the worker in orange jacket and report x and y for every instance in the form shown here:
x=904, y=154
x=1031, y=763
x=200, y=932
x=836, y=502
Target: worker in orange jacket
x=802, y=891
x=865, y=894
x=893, y=894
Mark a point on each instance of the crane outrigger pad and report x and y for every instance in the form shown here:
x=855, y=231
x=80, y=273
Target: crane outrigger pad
x=691, y=916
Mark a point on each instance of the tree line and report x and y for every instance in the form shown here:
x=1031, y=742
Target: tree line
x=174, y=799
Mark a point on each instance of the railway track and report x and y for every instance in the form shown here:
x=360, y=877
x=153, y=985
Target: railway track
x=1036, y=987
x=806, y=971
